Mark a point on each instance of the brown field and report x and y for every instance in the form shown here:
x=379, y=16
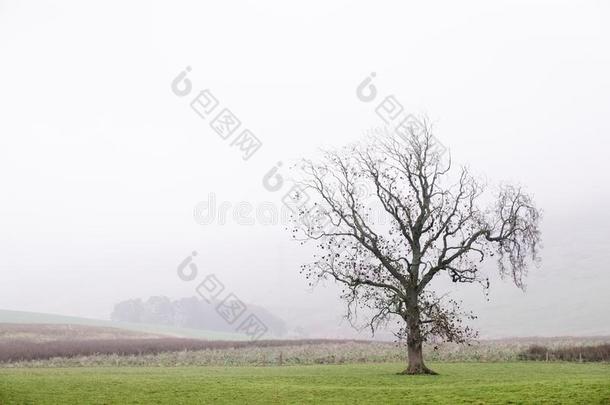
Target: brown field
x=21, y=350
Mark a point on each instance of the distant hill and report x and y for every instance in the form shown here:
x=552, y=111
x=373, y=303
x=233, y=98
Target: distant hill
x=22, y=317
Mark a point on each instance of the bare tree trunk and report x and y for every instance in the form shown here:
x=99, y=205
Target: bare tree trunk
x=414, y=345
x=416, y=359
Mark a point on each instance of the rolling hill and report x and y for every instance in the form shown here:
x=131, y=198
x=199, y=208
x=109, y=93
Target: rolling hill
x=8, y=316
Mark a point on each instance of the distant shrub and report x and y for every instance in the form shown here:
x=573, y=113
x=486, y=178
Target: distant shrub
x=568, y=353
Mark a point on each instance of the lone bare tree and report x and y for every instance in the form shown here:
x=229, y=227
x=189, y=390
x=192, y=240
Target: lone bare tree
x=432, y=224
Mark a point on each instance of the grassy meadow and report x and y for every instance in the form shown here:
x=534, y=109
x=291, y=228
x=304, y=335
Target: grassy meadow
x=478, y=383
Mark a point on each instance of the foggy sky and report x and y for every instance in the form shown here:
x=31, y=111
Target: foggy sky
x=102, y=165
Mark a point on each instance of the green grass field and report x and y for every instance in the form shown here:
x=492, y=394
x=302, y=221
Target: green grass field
x=479, y=383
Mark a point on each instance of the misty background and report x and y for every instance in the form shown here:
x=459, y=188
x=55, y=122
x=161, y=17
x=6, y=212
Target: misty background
x=102, y=166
